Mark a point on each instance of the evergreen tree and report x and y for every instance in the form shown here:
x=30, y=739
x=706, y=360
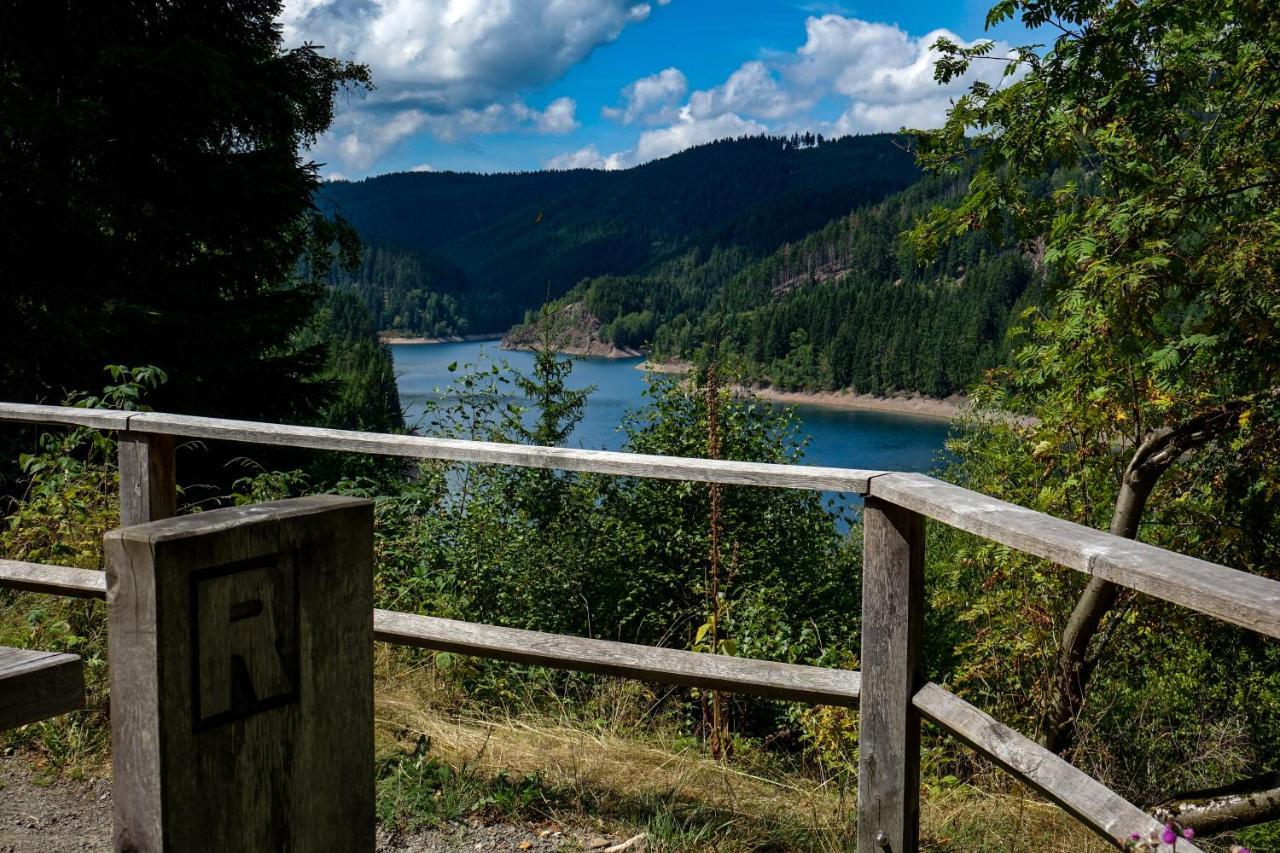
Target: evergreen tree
x=156, y=204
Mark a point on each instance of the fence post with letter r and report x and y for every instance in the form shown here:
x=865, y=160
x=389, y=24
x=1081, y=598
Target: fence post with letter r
x=241, y=652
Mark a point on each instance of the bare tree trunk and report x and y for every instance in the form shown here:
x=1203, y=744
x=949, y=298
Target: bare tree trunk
x=1157, y=452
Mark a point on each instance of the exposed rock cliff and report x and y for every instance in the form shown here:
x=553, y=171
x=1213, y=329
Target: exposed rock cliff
x=572, y=330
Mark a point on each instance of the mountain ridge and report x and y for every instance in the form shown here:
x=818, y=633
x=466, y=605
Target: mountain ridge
x=451, y=253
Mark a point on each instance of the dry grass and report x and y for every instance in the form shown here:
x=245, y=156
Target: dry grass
x=635, y=778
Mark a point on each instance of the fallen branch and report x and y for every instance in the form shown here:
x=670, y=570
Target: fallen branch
x=1229, y=807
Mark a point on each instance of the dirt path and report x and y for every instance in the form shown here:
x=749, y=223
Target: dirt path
x=62, y=816
x=69, y=816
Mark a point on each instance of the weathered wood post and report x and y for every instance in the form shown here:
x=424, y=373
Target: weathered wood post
x=889, y=735
x=241, y=650
x=148, y=487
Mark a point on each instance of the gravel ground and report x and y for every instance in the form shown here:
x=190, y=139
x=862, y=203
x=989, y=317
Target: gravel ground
x=71, y=816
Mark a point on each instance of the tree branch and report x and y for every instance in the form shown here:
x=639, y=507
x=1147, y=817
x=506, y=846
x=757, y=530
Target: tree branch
x=1229, y=807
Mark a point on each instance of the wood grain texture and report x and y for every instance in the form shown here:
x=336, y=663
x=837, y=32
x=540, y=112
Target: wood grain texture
x=148, y=480
x=560, y=458
x=36, y=685
x=30, y=413
x=667, y=666
x=57, y=580
x=281, y=758
x=1088, y=800
x=1240, y=598
x=889, y=732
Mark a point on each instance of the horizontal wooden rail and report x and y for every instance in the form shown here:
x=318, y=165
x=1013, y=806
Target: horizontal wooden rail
x=454, y=450
x=647, y=663
x=31, y=413
x=1088, y=800
x=56, y=580
x=36, y=685
x=1241, y=598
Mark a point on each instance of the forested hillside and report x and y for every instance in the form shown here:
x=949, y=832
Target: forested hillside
x=851, y=306
x=847, y=306
x=453, y=253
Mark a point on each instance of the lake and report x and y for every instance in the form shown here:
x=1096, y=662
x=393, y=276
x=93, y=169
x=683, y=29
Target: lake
x=846, y=438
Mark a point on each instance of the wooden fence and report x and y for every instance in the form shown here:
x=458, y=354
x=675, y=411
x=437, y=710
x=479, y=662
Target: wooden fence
x=890, y=690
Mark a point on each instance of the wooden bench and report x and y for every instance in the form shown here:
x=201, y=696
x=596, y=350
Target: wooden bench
x=36, y=685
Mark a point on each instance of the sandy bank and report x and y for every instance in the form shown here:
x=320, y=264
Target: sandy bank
x=903, y=404
x=389, y=338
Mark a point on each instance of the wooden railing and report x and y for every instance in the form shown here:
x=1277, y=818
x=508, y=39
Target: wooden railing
x=890, y=690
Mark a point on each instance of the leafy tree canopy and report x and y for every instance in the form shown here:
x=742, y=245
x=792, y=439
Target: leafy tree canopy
x=1155, y=129
x=1137, y=155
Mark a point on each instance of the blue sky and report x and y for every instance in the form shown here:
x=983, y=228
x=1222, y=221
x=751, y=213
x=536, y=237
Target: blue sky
x=502, y=85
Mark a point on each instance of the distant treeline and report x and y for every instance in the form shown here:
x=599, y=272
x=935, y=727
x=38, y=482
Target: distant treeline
x=847, y=306
x=450, y=253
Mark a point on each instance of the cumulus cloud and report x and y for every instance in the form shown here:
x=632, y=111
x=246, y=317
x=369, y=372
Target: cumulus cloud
x=588, y=157
x=752, y=90
x=690, y=131
x=558, y=117
x=886, y=74
x=360, y=139
x=457, y=53
x=881, y=74
x=686, y=132
x=652, y=99
x=453, y=67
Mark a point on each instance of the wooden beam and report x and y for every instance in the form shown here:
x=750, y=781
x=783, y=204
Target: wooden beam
x=1241, y=598
x=889, y=732
x=36, y=685
x=1085, y=798
x=525, y=456
x=56, y=580
x=30, y=413
x=148, y=484
x=667, y=666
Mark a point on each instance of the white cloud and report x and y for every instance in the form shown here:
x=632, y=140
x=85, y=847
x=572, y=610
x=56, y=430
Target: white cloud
x=588, y=157
x=452, y=68
x=558, y=117
x=886, y=74
x=457, y=69
x=862, y=117
x=686, y=132
x=422, y=167
x=652, y=99
x=456, y=53
x=883, y=76
x=752, y=90
x=362, y=138
x=690, y=131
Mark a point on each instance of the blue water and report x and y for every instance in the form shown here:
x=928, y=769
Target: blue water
x=840, y=437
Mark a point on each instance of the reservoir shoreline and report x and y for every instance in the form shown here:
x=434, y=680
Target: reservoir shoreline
x=907, y=404
x=892, y=435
